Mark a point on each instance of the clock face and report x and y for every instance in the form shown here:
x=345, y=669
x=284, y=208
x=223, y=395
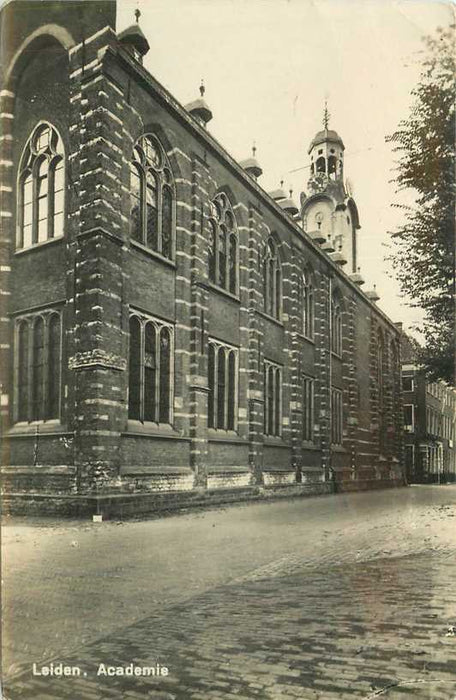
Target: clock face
x=318, y=182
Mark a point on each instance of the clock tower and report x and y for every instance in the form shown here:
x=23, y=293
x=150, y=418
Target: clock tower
x=329, y=213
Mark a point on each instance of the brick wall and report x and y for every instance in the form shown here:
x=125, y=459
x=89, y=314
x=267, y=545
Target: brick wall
x=103, y=101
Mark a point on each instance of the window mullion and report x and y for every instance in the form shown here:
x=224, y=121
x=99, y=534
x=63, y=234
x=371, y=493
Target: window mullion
x=35, y=193
x=265, y=398
x=215, y=402
x=22, y=180
x=217, y=253
x=45, y=388
x=227, y=260
x=29, y=369
x=226, y=355
x=142, y=369
x=274, y=400
x=50, y=199
x=143, y=205
x=159, y=186
x=158, y=330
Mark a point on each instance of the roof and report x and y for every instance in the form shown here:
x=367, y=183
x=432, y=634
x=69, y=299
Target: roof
x=326, y=135
x=133, y=35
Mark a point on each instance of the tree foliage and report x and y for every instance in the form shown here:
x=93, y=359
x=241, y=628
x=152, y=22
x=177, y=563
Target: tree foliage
x=424, y=244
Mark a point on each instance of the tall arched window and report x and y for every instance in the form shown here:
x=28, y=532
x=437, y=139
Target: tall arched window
x=223, y=385
x=152, y=197
x=336, y=324
x=380, y=369
x=37, y=361
x=41, y=188
x=223, y=244
x=272, y=280
x=306, y=304
x=272, y=399
x=150, y=370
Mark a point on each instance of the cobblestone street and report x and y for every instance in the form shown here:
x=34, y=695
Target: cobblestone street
x=335, y=597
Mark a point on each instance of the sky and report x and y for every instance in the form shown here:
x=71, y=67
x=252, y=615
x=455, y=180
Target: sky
x=268, y=67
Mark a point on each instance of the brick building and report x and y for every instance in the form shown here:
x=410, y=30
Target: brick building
x=172, y=331
x=429, y=422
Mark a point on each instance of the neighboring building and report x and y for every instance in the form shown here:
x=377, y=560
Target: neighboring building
x=173, y=331
x=429, y=423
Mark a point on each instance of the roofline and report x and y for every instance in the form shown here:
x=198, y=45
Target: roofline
x=212, y=142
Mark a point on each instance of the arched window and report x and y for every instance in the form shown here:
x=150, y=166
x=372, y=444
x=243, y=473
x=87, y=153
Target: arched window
x=272, y=280
x=332, y=167
x=272, y=399
x=37, y=361
x=321, y=165
x=41, y=188
x=223, y=246
x=380, y=369
x=53, y=389
x=150, y=370
x=23, y=370
x=306, y=303
x=336, y=324
x=152, y=197
x=223, y=386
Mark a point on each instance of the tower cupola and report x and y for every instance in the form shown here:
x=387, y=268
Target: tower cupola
x=326, y=152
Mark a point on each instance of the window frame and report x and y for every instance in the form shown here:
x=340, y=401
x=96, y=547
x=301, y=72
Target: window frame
x=51, y=372
x=148, y=147
x=33, y=156
x=337, y=417
x=230, y=387
x=220, y=213
x=308, y=411
x=159, y=327
x=337, y=334
x=306, y=302
x=412, y=384
x=272, y=394
x=272, y=281
x=409, y=427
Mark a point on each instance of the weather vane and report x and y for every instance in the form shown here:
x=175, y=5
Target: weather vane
x=326, y=115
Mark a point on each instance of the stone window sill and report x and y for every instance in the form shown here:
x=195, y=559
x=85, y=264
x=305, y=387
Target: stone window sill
x=152, y=253
x=37, y=246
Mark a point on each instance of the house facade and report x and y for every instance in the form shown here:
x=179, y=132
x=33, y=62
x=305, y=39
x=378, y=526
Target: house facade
x=429, y=423
x=171, y=331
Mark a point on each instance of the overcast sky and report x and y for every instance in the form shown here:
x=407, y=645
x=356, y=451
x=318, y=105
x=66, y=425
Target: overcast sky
x=268, y=66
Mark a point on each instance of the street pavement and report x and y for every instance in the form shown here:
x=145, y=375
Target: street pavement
x=343, y=596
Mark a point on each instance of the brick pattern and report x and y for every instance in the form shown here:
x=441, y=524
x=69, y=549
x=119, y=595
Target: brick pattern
x=112, y=101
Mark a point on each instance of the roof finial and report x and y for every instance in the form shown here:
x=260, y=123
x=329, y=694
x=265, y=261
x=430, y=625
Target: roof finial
x=291, y=193
x=326, y=116
x=202, y=88
x=137, y=15
x=254, y=149
x=281, y=184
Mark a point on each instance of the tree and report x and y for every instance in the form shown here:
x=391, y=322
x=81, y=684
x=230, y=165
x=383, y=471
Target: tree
x=424, y=245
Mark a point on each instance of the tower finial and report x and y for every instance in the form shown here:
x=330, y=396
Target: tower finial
x=202, y=89
x=137, y=14
x=254, y=149
x=326, y=116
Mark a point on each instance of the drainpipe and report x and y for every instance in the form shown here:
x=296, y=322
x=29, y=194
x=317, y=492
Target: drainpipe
x=330, y=470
